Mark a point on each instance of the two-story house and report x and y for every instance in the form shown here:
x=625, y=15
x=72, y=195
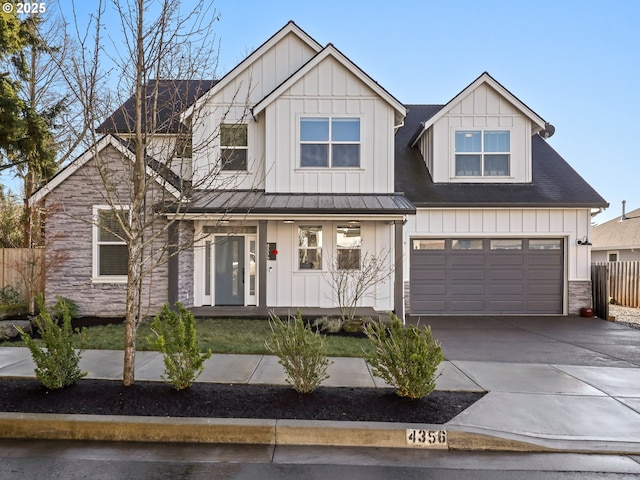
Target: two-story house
x=304, y=164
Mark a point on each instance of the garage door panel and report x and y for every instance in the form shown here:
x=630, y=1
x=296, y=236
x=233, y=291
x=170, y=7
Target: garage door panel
x=505, y=290
x=466, y=260
x=430, y=274
x=462, y=275
x=498, y=275
x=487, y=281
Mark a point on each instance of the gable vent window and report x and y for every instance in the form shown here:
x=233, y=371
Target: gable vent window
x=233, y=147
x=482, y=153
x=330, y=142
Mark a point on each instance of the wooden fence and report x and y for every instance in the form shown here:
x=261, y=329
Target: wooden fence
x=623, y=280
x=12, y=260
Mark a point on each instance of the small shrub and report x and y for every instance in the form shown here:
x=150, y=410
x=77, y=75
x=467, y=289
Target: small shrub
x=70, y=305
x=405, y=357
x=57, y=365
x=301, y=351
x=10, y=295
x=11, y=310
x=176, y=338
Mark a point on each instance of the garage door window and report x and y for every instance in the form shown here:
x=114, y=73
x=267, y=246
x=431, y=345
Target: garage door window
x=428, y=244
x=467, y=244
x=507, y=244
x=545, y=244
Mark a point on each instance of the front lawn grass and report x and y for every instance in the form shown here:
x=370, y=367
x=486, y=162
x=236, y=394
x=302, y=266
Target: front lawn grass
x=220, y=335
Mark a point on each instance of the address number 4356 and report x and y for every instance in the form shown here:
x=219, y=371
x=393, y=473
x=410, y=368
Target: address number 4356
x=426, y=438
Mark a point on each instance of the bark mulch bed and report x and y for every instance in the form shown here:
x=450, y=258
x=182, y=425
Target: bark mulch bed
x=106, y=397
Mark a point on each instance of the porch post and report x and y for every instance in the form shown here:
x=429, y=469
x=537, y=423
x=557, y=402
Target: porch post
x=173, y=264
x=262, y=267
x=398, y=288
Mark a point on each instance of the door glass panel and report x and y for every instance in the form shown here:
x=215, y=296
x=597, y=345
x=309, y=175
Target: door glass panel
x=252, y=267
x=428, y=244
x=467, y=244
x=545, y=244
x=235, y=269
x=506, y=244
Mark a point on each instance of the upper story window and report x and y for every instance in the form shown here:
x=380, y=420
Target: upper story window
x=184, y=147
x=482, y=153
x=233, y=147
x=111, y=253
x=330, y=142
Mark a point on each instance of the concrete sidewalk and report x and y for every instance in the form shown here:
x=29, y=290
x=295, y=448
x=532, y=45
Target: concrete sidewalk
x=536, y=407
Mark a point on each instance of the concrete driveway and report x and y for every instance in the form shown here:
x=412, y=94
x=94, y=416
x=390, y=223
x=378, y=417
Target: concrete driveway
x=544, y=340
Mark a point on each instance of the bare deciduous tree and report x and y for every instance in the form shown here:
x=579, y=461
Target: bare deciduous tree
x=165, y=54
x=353, y=280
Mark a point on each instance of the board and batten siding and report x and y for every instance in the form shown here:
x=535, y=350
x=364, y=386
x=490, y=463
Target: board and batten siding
x=329, y=89
x=484, y=109
x=571, y=224
x=287, y=286
x=232, y=104
x=70, y=230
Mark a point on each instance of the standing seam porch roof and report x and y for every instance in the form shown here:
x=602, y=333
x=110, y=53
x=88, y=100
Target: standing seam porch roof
x=260, y=202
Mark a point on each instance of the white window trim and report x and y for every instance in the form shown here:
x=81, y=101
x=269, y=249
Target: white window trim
x=328, y=142
x=338, y=248
x=482, y=153
x=617, y=254
x=95, y=277
x=322, y=248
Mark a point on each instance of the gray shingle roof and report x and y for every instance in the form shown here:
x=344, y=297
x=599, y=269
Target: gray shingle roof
x=174, y=96
x=259, y=202
x=618, y=234
x=555, y=183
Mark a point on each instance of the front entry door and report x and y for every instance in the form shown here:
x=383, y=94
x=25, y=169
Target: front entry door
x=229, y=270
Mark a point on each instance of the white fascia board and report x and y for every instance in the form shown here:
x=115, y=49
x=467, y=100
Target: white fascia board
x=283, y=217
x=75, y=165
x=493, y=83
x=290, y=27
x=332, y=51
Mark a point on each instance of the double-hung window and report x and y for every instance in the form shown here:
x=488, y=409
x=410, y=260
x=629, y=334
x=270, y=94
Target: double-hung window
x=310, y=247
x=482, y=153
x=349, y=243
x=330, y=142
x=110, y=248
x=233, y=147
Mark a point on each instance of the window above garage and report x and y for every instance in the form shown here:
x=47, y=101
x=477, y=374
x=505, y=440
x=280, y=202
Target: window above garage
x=482, y=153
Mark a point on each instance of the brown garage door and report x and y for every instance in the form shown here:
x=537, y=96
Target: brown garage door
x=486, y=276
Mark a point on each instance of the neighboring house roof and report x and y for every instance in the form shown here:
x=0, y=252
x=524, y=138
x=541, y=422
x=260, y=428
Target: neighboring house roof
x=173, y=97
x=493, y=83
x=617, y=234
x=330, y=51
x=163, y=176
x=554, y=182
x=259, y=202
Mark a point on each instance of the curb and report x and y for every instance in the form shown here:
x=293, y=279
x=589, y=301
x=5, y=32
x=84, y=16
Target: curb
x=44, y=426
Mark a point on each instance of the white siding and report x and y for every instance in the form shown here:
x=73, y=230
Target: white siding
x=483, y=108
x=329, y=89
x=245, y=90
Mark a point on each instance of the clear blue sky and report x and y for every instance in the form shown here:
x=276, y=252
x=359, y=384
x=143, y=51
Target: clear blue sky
x=576, y=63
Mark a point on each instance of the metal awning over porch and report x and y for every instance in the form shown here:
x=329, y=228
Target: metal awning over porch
x=259, y=202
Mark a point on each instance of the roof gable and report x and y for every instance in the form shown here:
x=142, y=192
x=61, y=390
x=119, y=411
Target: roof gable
x=330, y=51
x=484, y=79
x=289, y=28
x=104, y=142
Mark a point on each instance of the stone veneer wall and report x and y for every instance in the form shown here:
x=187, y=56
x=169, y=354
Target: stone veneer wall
x=69, y=231
x=580, y=295
x=185, y=263
x=407, y=292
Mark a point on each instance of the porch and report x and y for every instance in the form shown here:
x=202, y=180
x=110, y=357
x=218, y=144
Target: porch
x=282, y=312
